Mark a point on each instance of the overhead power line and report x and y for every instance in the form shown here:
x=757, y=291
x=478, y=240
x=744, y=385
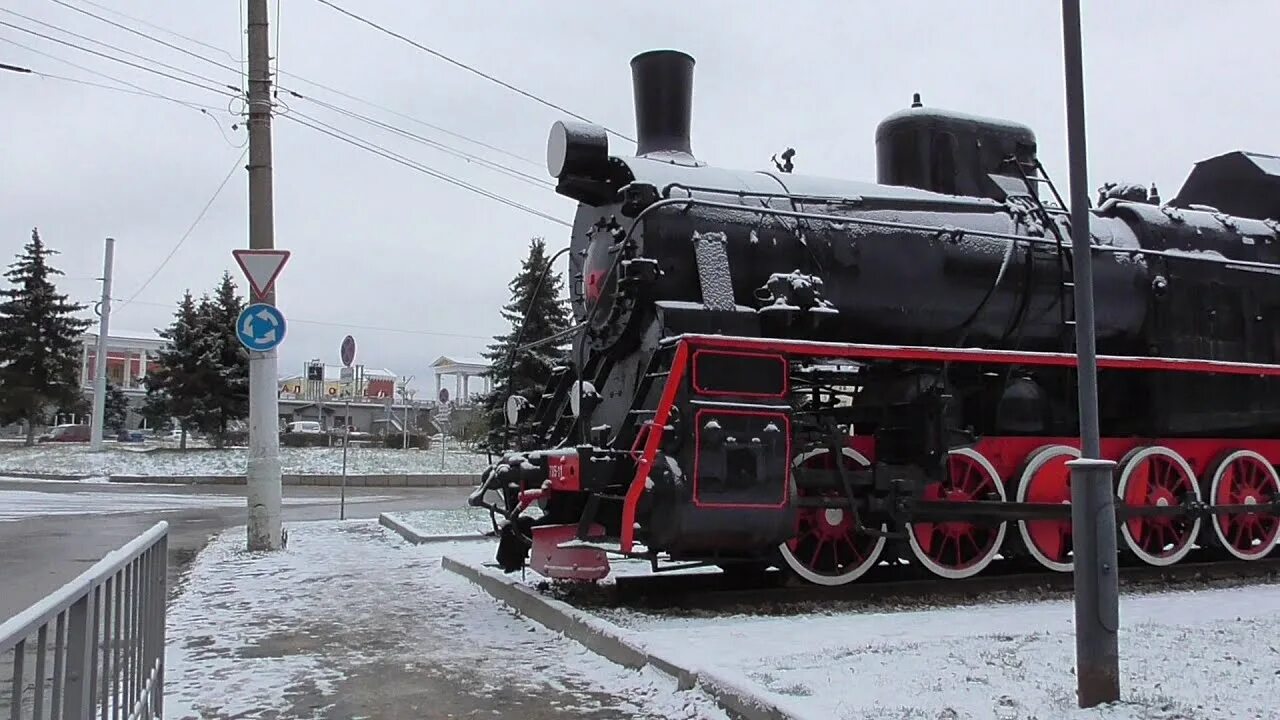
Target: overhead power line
x=152, y=38
x=292, y=91
x=350, y=326
x=127, y=91
x=507, y=170
x=162, y=29
x=190, y=229
x=410, y=118
x=144, y=68
x=464, y=66
x=205, y=110
x=137, y=89
x=352, y=139
x=118, y=49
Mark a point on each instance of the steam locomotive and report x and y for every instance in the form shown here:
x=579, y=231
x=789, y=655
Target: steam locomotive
x=770, y=369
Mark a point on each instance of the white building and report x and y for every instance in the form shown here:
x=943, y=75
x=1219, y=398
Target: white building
x=462, y=370
x=129, y=359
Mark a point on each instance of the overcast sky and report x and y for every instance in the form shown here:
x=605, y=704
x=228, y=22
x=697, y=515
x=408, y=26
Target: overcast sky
x=419, y=268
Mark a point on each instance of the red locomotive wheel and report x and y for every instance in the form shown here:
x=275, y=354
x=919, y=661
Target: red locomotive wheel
x=1047, y=479
x=1245, y=478
x=1158, y=476
x=958, y=549
x=827, y=549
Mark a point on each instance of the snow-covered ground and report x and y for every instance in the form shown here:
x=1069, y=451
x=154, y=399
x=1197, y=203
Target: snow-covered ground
x=261, y=633
x=1185, y=655
x=1202, y=655
x=116, y=460
x=461, y=521
x=350, y=621
x=22, y=504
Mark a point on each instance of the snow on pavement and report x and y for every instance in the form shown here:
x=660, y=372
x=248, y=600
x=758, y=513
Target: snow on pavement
x=351, y=621
x=1198, y=655
x=21, y=504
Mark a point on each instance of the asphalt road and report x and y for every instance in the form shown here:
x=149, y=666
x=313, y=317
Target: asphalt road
x=41, y=550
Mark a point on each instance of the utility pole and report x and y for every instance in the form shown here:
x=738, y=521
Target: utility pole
x=263, y=472
x=96, y=429
x=1093, y=515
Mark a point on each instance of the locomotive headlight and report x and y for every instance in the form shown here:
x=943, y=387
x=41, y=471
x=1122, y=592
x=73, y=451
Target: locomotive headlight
x=582, y=393
x=516, y=405
x=579, y=149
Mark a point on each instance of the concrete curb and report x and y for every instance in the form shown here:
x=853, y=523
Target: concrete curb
x=412, y=535
x=43, y=476
x=611, y=642
x=386, y=480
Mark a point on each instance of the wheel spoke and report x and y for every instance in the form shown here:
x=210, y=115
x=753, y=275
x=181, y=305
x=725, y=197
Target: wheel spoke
x=817, y=548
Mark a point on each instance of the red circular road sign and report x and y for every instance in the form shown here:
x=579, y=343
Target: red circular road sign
x=348, y=350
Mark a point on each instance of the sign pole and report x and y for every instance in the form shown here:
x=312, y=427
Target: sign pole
x=1093, y=515
x=263, y=471
x=443, y=398
x=346, y=442
x=348, y=355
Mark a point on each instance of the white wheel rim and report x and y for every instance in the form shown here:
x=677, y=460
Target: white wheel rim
x=803, y=570
x=1214, y=486
x=1129, y=463
x=1039, y=459
x=981, y=564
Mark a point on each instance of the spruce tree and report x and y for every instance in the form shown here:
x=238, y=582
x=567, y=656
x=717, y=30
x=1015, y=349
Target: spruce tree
x=115, y=409
x=526, y=372
x=155, y=409
x=40, y=340
x=174, y=385
x=224, y=362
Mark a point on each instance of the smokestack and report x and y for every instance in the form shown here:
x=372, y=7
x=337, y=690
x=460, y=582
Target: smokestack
x=663, y=81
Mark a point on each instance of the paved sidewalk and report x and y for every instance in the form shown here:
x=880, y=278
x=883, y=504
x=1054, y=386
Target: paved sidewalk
x=45, y=546
x=351, y=622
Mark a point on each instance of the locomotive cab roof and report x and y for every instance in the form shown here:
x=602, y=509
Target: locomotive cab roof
x=1240, y=183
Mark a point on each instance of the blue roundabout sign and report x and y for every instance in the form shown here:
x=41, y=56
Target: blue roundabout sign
x=260, y=327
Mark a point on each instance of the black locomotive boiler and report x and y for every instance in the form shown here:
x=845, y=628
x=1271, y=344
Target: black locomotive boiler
x=822, y=374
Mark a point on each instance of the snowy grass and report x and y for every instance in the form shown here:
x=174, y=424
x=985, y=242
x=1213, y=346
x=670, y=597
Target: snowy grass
x=115, y=460
x=461, y=521
x=350, y=621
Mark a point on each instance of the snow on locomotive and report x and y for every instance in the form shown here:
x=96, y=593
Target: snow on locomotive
x=821, y=375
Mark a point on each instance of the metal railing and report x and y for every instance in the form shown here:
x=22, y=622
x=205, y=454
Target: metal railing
x=94, y=648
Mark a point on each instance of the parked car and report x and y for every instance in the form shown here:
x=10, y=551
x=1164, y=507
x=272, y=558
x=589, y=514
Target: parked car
x=66, y=433
x=304, y=427
x=130, y=436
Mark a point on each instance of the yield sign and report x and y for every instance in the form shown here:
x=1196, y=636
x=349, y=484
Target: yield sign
x=262, y=267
